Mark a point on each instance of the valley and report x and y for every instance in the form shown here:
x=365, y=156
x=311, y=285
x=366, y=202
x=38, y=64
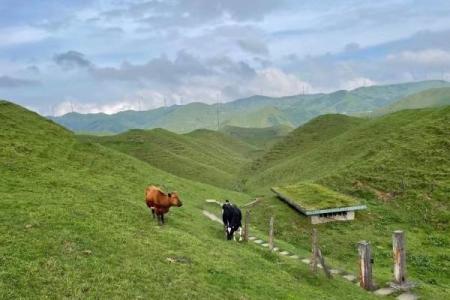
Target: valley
x=73, y=215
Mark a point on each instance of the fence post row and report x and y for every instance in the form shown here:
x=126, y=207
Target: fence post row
x=365, y=255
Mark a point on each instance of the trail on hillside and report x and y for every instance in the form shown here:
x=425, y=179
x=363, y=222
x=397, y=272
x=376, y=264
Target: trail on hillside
x=379, y=291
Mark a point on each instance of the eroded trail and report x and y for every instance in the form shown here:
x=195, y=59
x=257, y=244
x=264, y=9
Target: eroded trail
x=211, y=216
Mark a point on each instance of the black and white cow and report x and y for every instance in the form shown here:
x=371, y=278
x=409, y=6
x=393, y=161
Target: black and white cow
x=232, y=217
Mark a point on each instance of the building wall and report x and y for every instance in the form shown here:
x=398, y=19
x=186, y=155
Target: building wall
x=349, y=215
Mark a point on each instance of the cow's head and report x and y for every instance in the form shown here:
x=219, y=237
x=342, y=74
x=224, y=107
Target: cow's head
x=174, y=199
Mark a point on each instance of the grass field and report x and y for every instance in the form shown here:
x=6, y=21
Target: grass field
x=73, y=224
x=399, y=164
x=202, y=155
x=262, y=138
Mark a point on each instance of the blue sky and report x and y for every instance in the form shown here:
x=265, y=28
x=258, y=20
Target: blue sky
x=111, y=55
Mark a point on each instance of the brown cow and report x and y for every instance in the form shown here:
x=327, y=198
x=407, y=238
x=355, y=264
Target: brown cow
x=159, y=202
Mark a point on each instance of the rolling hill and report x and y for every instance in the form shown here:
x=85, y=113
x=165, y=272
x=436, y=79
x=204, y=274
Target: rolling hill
x=252, y=112
x=202, y=155
x=399, y=142
x=74, y=225
x=429, y=98
x=398, y=164
x=304, y=139
x=262, y=138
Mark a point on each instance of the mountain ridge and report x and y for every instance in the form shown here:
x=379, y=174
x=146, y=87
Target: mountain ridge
x=290, y=110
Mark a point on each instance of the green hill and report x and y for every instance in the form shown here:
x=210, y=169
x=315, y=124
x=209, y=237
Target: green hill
x=253, y=112
x=262, y=138
x=304, y=139
x=74, y=225
x=202, y=155
x=429, y=98
x=397, y=164
x=339, y=141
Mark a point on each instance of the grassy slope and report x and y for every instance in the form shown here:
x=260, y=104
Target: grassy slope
x=305, y=139
x=73, y=225
x=255, y=111
x=399, y=164
x=261, y=138
x=429, y=98
x=203, y=155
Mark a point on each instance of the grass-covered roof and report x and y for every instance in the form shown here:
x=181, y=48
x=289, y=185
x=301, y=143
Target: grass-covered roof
x=309, y=197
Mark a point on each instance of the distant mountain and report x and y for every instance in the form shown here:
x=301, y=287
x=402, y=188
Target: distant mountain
x=429, y=98
x=267, y=116
x=252, y=112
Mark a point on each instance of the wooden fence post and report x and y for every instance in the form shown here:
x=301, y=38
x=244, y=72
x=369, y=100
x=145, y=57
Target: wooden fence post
x=324, y=266
x=365, y=266
x=246, y=224
x=271, y=234
x=314, y=254
x=398, y=248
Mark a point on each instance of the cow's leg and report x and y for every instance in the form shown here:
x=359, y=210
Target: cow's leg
x=153, y=212
x=162, y=219
x=158, y=216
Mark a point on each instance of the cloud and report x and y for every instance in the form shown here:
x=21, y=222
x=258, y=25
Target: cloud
x=428, y=58
x=356, y=83
x=162, y=70
x=276, y=83
x=12, y=36
x=193, y=12
x=92, y=108
x=71, y=59
x=253, y=46
x=11, y=82
x=191, y=50
x=351, y=47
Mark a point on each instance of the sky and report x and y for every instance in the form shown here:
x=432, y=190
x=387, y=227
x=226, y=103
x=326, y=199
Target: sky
x=58, y=56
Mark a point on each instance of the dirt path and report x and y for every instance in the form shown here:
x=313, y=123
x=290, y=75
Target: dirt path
x=211, y=216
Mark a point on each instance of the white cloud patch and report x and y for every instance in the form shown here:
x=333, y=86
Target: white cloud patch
x=357, y=83
x=21, y=35
x=428, y=57
x=110, y=108
x=276, y=83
